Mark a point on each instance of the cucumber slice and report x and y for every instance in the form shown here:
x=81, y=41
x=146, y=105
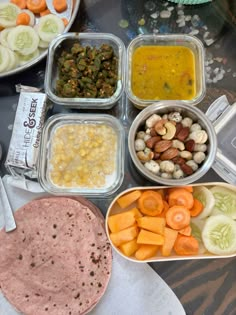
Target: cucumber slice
x=43, y=44
x=23, y=39
x=23, y=59
x=197, y=226
x=3, y=36
x=13, y=60
x=8, y=14
x=206, y=197
x=219, y=235
x=225, y=201
x=49, y=26
x=4, y=58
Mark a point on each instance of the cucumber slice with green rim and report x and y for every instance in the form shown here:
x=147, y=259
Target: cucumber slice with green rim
x=13, y=60
x=8, y=14
x=206, y=197
x=219, y=235
x=49, y=26
x=23, y=39
x=23, y=59
x=197, y=227
x=4, y=58
x=3, y=36
x=225, y=201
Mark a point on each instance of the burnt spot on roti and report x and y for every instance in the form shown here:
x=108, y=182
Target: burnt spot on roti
x=54, y=226
x=20, y=257
x=32, y=264
x=54, y=236
x=77, y=295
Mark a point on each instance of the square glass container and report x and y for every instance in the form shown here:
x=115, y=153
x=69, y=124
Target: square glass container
x=82, y=154
x=223, y=118
x=181, y=40
x=65, y=42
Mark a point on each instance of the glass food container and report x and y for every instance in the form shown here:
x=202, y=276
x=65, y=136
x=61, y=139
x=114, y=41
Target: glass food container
x=82, y=154
x=170, y=72
x=92, y=40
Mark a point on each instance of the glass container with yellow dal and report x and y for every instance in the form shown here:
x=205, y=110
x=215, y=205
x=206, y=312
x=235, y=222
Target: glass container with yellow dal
x=163, y=73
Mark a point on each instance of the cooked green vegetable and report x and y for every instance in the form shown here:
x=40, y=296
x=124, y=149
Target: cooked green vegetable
x=88, y=72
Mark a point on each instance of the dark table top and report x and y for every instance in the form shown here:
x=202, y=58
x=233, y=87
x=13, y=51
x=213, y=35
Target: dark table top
x=203, y=286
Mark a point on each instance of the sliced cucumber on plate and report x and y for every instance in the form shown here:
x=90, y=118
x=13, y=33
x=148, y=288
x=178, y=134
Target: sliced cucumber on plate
x=49, y=26
x=219, y=235
x=205, y=196
x=8, y=14
x=225, y=201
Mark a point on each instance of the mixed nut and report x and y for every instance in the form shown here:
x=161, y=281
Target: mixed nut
x=171, y=146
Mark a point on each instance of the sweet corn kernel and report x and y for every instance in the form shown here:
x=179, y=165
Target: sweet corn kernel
x=83, y=155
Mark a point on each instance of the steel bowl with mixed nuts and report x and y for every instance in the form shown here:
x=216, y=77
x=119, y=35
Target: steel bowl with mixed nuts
x=169, y=143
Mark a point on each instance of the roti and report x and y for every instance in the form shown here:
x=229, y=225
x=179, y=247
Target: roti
x=58, y=261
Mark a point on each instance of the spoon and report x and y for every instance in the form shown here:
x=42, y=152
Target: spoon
x=10, y=223
x=65, y=14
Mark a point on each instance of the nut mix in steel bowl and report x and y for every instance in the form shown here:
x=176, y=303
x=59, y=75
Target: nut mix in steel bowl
x=172, y=143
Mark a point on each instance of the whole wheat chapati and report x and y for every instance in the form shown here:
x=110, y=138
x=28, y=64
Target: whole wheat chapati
x=58, y=260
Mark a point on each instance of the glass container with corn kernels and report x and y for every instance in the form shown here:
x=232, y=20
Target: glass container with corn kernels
x=82, y=154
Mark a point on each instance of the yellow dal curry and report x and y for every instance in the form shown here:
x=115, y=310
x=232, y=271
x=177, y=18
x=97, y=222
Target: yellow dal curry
x=163, y=72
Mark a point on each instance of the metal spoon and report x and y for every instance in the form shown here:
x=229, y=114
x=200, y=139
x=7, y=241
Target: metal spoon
x=65, y=14
x=10, y=223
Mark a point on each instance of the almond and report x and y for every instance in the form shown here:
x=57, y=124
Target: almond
x=178, y=127
x=186, y=169
x=178, y=160
x=152, y=141
x=162, y=145
x=153, y=132
x=169, y=154
x=183, y=134
x=189, y=145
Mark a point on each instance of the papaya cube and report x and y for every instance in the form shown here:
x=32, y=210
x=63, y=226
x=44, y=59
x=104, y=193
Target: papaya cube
x=129, y=198
x=147, y=237
x=170, y=237
x=146, y=251
x=121, y=221
x=129, y=248
x=153, y=224
x=124, y=236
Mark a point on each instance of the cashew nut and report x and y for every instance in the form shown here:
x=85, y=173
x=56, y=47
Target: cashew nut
x=199, y=136
x=178, y=144
x=195, y=127
x=178, y=174
x=192, y=164
x=199, y=157
x=187, y=122
x=140, y=135
x=167, y=166
x=186, y=155
x=150, y=122
x=145, y=156
x=200, y=147
x=139, y=145
x=152, y=166
x=175, y=116
x=159, y=127
x=170, y=131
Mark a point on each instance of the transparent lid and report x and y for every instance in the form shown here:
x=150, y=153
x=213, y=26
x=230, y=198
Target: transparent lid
x=223, y=116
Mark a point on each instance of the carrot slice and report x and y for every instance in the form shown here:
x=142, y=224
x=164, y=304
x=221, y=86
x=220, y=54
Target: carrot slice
x=180, y=197
x=197, y=208
x=150, y=203
x=45, y=12
x=23, y=18
x=169, y=241
x=36, y=6
x=186, y=230
x=60, y=5
x=65, y=21
x=20, y=3
x=186, y=245
x=177, y=217
x=127, y=199
x=165, y=209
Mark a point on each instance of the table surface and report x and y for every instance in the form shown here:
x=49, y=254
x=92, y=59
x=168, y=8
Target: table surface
x=203, y=286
